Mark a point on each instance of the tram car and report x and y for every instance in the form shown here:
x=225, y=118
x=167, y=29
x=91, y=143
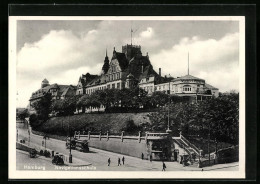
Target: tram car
x=80, y=145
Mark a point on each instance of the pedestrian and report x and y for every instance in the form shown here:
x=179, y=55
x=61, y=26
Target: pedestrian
x=151, y=158
x=163, y=166
x=142, y=156
x=123, y=160
x=42, y=143
x=119, y=162
x=108, y=162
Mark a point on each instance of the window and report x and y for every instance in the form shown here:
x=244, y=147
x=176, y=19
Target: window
x=118, y=85
x=113, y=86
x=187, y=88
x=108, y=86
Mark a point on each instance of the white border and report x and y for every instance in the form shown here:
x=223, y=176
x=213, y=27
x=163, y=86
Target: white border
x=14, y=174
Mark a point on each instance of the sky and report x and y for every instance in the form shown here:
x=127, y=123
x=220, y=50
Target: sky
x=62, y=50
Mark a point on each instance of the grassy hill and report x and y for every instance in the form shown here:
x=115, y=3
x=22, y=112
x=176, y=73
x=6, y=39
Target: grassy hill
x=114, y=122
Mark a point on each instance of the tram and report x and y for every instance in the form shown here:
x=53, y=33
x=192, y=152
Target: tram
x=80, y=145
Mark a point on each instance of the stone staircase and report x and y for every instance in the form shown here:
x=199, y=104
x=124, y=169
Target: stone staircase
x=186, y=145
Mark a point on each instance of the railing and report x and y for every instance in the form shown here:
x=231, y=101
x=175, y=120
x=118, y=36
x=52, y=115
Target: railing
x=107, y=136
x=181, y=144
x=196, y=150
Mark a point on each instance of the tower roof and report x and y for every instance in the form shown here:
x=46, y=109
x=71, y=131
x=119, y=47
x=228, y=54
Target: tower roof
x=45, y=81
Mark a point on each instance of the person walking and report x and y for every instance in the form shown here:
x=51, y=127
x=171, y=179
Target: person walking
x=108, y=162
x=151, y=158
x=123, y=160
x=142, y=156
x=118, y=162
x=164, y=166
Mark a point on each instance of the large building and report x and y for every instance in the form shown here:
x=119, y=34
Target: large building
x=57, y=92
x=186, y=86
x=129, y=68
x=124, y=70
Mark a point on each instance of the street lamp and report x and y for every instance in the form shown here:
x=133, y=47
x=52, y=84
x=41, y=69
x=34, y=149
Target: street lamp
x=216, y=148
x=208, y=141
x=169, y=100
x=44, y=137
x=29, y=137
x=70, y=155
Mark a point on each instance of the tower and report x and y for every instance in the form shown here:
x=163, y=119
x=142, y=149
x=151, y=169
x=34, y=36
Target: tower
x=45, y=83
x=106, y=64
x=131, y=51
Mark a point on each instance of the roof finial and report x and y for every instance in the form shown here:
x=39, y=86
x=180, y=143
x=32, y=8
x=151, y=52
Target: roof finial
x=106, y=52
x=188, y=65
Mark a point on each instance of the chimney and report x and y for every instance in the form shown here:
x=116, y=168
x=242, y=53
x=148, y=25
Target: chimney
x=160, y=72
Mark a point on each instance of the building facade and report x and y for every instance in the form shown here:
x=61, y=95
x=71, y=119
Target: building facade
x=124, y=70
x=187, y=86
x=57, y=92
x=129, y=69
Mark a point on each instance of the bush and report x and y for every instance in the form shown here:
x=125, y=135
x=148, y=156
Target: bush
x=130, y=127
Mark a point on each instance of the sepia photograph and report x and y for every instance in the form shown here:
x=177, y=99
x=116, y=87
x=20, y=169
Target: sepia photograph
x=126, y=97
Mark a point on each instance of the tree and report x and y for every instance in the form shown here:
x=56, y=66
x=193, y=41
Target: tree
x=130, y=127
x=43, y=106
x=217, y=116
x=23, y=114
x=33, y=119
x=159, y=98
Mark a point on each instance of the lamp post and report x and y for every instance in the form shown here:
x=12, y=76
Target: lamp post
x=70, y=155
x=44, y=137
x=169, y=100
x=29, y=137
x=209, y=141
x=16, y=135
x=216, y=148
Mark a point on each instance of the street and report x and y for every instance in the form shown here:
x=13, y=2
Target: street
x=98, y=158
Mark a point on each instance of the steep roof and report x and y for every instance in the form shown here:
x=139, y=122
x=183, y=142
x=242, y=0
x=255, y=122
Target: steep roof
x=69, y=91
x=148, y=71
x=61, y=89
x=123, y=63
x=45, y=81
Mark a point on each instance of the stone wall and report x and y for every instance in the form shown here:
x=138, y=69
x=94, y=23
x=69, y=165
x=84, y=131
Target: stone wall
x=132, y=146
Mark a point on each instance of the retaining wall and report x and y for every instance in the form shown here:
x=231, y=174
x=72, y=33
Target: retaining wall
x=23, y=147
x=128, y=146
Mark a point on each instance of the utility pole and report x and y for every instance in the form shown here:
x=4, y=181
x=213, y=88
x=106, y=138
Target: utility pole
x=131, y=33
x=188, y=64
